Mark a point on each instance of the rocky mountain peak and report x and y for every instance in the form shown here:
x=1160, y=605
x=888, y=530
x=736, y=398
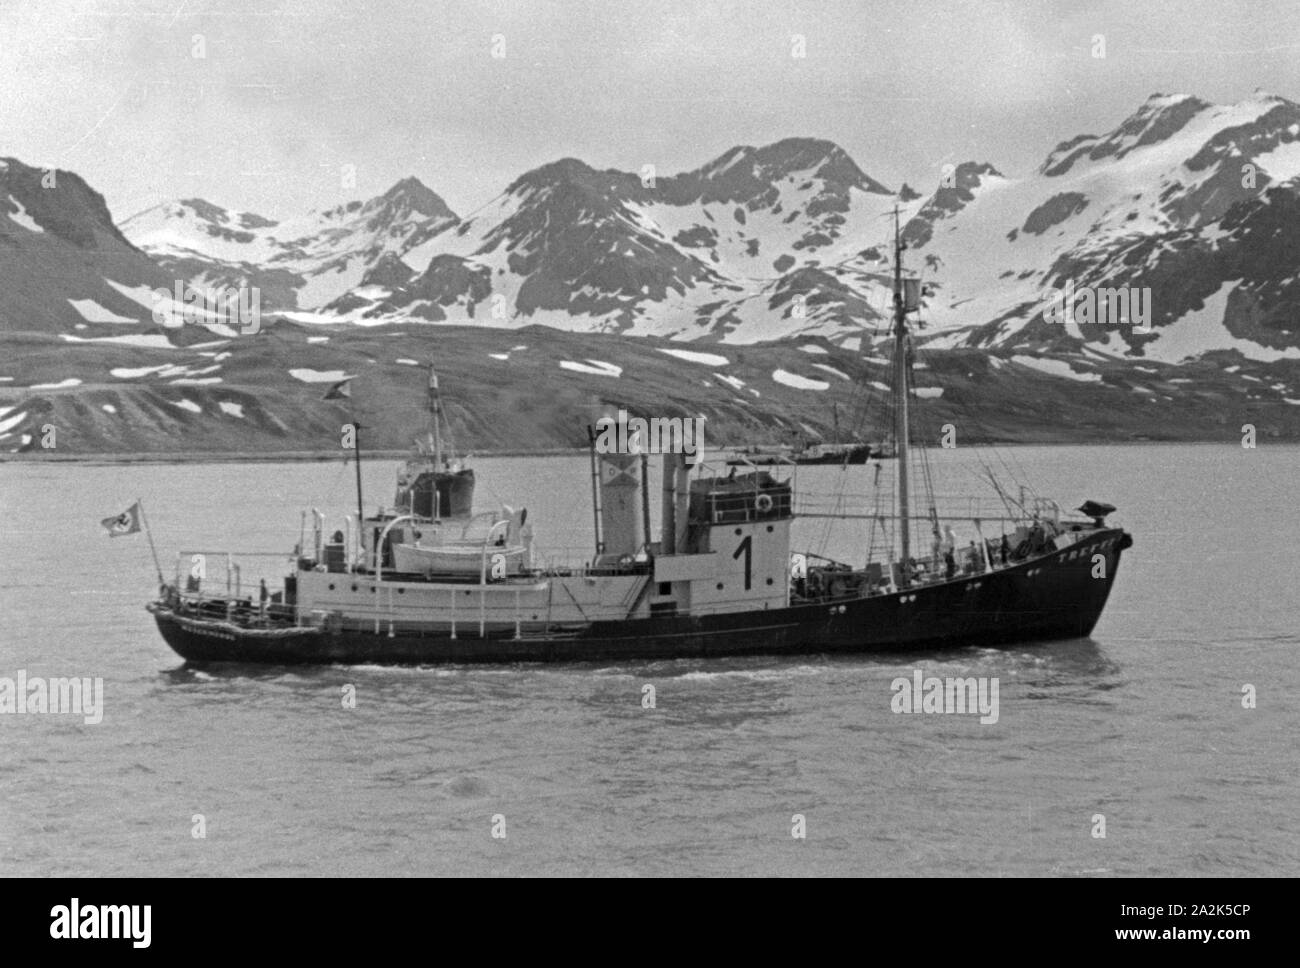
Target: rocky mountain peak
x=1157, y=119
x=413, y=196
x=61, y=203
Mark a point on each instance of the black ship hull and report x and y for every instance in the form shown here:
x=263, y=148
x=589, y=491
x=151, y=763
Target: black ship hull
x=858, y=454
x=1052, y=596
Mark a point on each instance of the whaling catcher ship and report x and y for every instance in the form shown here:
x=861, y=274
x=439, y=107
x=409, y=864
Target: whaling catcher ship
x=426, y=581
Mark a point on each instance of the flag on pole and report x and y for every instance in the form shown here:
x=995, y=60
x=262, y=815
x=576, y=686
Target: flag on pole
x=128, y=522
x=340, y=390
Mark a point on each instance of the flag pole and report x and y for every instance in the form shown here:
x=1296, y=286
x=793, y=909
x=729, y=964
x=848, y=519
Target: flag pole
x=144, y=519
x=342, y=389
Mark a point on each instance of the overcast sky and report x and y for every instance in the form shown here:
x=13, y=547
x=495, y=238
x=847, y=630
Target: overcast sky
x=288, y=93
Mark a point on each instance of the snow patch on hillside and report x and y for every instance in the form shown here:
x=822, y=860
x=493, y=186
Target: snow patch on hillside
x=149, y=341
x=798, y=382
x=1283, y=162
x=708, y=359
x=317, y=376
x=831, y=369
x=1202, y=331
x=596, y=368
x=22, y=218
x=9, y=423
x=93, y=312
x=1056, y=368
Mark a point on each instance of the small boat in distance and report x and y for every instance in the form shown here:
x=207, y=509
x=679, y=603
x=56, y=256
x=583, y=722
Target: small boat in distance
x=805, y=452
x=420, y=583
x=833, y=454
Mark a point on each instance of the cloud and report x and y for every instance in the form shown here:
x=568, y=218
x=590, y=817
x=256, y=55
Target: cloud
x=288, y=94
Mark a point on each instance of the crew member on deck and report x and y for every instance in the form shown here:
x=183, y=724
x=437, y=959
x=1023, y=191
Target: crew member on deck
x=1037, y=537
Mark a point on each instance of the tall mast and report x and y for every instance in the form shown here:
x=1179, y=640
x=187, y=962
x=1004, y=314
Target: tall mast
x=900, y=399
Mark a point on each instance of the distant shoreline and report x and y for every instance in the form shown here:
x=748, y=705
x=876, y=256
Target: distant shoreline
x=324, y=456
x=274, y=457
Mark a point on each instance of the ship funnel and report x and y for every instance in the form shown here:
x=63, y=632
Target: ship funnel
x=620, y=504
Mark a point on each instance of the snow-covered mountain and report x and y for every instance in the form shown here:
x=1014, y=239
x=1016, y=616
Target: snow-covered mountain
x=757, y=244
x=1184, y=197
x=784, y=245
x=1193, y=200
x=301, y=263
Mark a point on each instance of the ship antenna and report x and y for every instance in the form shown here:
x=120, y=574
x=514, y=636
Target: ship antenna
x=900, y=399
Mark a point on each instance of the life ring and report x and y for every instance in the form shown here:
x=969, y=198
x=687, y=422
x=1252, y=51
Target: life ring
x=763, y=503
x=625, y=561
x=838, y=587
